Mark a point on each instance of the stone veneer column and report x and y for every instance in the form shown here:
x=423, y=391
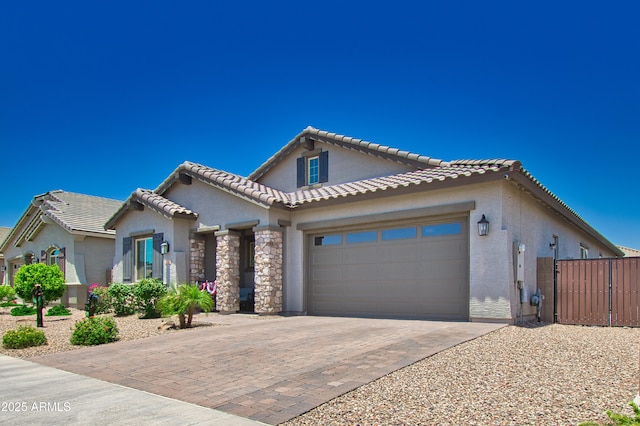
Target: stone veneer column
x=268, y=270
x=228, y=272
x=196, y=258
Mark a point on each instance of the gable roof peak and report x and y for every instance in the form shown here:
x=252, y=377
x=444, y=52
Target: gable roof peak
x=311, y=134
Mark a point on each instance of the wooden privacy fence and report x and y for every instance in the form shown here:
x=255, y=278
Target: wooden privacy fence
x=598, y=291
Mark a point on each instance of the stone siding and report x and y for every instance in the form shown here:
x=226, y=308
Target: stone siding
x=228, y=272
x=196, y=258
x=268, y=272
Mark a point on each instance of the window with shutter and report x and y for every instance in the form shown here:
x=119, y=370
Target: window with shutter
x=143, y=267
x=312, y=168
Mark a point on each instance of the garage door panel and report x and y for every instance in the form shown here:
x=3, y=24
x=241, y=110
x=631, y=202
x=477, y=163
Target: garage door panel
x=392, y=272
x=418, y=277
x=324, y=274
x=327, y=289
x=358, y=253
x=405, y=253
x=326, y=257
x=442, y=269
x=360, y=272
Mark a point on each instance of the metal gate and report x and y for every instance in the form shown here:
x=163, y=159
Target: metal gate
x=598, y=291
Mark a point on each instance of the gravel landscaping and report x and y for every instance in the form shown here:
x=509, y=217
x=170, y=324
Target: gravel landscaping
x=58, y=329
x=531, y=375
x=536, y=375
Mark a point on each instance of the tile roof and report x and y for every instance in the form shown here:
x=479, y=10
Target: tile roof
x=76, y=213
x=404, y=157
x=79, y=212
x=161, y=204
x=630, y=252
x=427, y=171
x=268, y=196
x=231, y=183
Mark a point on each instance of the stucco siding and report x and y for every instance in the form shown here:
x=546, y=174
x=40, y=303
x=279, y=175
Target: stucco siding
x=216, y=207
x=344, y=166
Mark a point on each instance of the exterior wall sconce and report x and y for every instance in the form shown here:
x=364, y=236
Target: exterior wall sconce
x=483, y=226
x=164, y=247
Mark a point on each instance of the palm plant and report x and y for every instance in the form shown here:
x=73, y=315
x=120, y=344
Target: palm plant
x=183, y=300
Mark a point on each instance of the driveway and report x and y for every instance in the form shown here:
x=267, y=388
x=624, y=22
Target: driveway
x=266, y=369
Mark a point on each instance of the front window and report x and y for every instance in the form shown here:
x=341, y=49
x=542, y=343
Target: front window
x=144, y=258
x=54, y=257
x=584, y=251
x=314, y=170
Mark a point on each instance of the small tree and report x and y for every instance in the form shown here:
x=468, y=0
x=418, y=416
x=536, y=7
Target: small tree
x=183, y=300
x=50, y=277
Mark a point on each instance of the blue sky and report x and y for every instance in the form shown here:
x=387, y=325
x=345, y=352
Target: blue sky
x=104, y=97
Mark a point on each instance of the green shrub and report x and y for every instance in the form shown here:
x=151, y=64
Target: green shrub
x=50, y=277
x=94, y=331
x=7, y=293
x=104, y=300
x=9, y=304
x=23, y=310
x=58, y=311
x=147, y=292
x=24, y=337
x=122, y=300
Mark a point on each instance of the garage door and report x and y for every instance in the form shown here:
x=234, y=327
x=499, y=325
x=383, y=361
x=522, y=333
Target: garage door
x=418, y=270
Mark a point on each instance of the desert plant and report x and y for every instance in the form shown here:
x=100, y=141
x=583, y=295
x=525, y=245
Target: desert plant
x=147, y=293
x=121, y=298
x=23, y=337
x=7, y=293
x=622, y=419
x=183, y=300
x=58, y=311
x=23, y=310
x=50, y=277
x=94, y=331
x=619, y=419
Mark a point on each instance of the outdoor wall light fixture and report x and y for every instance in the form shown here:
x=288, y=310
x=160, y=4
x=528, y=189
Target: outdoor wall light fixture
x=483, y=226
x=164, y=247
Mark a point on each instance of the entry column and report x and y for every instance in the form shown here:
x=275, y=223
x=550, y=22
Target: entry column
x=268, y=270
x=228, y=271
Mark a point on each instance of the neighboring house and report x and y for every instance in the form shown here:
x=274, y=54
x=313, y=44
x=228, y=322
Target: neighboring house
x=3, y=234
x=66, y=229
x=630, y=252
x=332, y=225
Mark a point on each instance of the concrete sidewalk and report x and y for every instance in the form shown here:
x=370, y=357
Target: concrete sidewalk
x=269, y=370
x=33, y=394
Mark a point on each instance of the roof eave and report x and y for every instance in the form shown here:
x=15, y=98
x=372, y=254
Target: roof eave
x=528, y=183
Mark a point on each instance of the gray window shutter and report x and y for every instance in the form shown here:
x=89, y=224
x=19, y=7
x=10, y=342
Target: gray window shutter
x=43, y=257
x=127, y=260
x=62, y=260
x=302, y=175
x=324, y=166
x=156, y=269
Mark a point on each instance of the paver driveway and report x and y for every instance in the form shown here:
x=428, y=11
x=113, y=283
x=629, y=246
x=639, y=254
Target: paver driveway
x=269, y=370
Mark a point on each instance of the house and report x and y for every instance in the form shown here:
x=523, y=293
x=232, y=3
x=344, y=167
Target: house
x=630, y=252
x=66, y=229
x=4, y=231
x=332, y=225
